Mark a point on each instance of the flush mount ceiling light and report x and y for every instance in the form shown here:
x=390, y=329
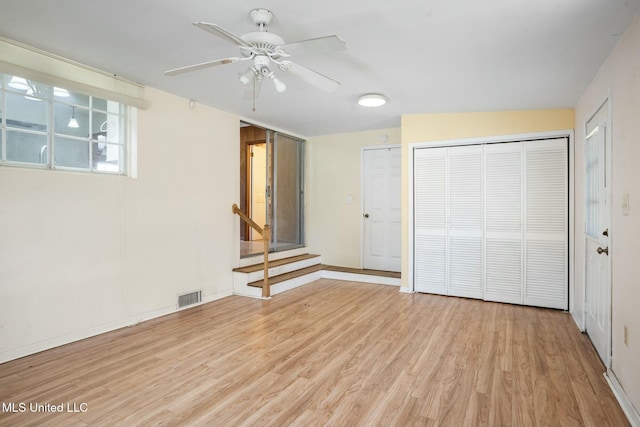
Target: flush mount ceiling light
x=372, y=100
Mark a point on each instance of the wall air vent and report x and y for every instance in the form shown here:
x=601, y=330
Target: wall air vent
x=190, y=298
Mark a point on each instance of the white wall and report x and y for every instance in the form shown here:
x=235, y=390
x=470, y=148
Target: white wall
x=83, y=253
x=333, y=227
x=621, y=75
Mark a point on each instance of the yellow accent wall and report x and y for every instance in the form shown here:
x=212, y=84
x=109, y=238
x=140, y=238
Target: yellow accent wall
x=454, y=126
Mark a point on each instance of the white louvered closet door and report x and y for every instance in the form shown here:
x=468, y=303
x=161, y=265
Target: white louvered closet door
x=464, y=243
x=503, y=226
x=430, y=220
x=546, y=219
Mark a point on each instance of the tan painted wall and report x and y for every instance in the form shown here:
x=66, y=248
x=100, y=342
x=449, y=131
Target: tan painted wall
x=82, y=253
x=620, y=74
x=333, y=227
x=440, y=127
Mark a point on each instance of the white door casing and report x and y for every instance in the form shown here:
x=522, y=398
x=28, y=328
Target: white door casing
x=381, y=209
x=597, y=233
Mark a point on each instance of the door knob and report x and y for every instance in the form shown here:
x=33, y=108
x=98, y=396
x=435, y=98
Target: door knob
x=605, y=232
x=605, y=250
x=366, y=215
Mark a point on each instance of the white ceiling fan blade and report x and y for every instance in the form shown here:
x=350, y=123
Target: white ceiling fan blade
x=318, y=45
x=221, y=32
x=312, y=77
x=201, y=66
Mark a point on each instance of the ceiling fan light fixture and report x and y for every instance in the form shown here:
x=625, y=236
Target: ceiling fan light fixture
x=372, y=100
x=247, y=76
x=280, y=86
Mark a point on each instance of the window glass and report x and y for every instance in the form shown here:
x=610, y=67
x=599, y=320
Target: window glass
x=71, y=153
x=71, y=98
x=592, y=186
x=56, y=127
x=62, y=118
x=107, y=157
x=24, y=113
x=99, y=104
x=26, y=147
x=107, y=126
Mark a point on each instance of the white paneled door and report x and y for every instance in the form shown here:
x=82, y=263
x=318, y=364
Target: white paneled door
x=381, y=209
x=597, y=214
x=491, y=221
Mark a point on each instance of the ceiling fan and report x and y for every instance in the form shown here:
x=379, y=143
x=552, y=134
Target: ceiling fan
x=263, y=49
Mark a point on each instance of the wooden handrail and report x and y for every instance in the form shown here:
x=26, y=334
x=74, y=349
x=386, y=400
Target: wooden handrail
x=245, y=218
x=266, y=237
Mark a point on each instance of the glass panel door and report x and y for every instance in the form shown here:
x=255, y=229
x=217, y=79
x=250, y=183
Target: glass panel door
x=285, y=159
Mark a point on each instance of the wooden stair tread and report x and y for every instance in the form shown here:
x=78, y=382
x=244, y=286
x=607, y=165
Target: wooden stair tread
x=276, y=263
x=381, y=273
x=287, y=276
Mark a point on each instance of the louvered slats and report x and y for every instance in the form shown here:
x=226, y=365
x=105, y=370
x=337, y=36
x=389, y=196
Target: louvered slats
x=491, y=222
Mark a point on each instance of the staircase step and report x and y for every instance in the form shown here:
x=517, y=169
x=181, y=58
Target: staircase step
x=259, y=267
x=367, y=272
x=287, y=276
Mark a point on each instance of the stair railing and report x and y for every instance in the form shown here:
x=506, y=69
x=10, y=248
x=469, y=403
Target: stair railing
x=266, y=237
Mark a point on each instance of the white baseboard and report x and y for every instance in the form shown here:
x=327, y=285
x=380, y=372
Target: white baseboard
x=628, y=408
x=578, y=321
x=405, y=290
x=48, y=344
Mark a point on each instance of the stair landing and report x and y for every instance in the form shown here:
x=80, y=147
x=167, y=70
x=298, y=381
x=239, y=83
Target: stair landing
x=291, y=272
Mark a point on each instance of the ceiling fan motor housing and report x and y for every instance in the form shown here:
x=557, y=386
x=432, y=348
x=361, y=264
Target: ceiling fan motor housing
x=261, y=17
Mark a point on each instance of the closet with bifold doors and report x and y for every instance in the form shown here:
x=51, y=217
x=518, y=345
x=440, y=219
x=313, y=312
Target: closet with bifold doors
x=490, y=221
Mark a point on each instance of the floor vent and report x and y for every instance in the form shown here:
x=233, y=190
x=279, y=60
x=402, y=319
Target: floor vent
x=189, y=299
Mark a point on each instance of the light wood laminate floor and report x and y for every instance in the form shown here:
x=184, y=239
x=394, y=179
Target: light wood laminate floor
x=328, y=353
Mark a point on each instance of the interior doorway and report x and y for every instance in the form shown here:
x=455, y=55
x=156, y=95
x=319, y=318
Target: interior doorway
x=271, y=188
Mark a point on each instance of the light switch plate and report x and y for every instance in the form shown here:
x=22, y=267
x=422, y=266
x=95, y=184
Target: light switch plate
x=625, y=204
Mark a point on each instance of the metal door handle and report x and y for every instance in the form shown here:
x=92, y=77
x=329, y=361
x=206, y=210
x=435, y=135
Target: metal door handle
x=366, y=215
x=605, y=250
x=605, y=232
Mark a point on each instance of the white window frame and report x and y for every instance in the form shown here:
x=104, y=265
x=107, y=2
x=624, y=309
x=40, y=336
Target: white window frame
x=126, y=117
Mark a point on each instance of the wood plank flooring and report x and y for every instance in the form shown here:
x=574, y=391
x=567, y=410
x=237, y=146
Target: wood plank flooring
x=329, y=353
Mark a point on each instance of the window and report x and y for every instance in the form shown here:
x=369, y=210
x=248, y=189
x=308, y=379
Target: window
x=44, y=126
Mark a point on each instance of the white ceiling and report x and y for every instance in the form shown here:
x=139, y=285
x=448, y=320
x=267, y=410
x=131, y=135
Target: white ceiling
x=425, y=55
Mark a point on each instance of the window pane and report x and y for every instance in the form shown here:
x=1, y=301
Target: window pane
x=592, y=186
x=107, y=126
x=69, y=97
x=26, y=113
x=99, y=104
x=62, y=115
x=26, y=147
x=71, y=153
x=107, y=157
